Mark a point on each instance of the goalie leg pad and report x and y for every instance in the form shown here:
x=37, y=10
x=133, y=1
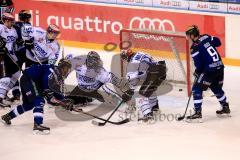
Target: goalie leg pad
x=109, y=94
x=4, y=86
x=145, y=104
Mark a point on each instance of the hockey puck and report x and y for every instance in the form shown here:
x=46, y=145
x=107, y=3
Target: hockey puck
x=180, y=90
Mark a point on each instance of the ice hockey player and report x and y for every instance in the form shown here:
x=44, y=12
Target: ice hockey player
x=41, y=46
x=95, y=82
x=143, y=71
x=37, y=83
x=6, y=6
x=209, y=71
x=10, y=71
x=77, y=61
x=24, y=17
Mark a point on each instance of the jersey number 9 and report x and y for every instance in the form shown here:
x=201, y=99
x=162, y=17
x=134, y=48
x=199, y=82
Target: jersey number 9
x=213, y=53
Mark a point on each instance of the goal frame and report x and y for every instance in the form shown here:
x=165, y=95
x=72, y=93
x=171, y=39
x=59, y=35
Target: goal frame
x=167, y=34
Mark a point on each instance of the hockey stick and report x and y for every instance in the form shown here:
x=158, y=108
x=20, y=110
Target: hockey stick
x=63, y=55
x=8, y=54
x=102, y=119
x=103, y=123
x=182, y=117
x=91, y=115
x=35, y=56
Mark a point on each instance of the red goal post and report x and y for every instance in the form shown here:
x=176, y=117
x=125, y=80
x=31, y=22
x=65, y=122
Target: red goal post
x=173, y=47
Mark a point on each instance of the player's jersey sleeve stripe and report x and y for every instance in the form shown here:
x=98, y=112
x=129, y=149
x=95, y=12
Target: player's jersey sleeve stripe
x=195, y=54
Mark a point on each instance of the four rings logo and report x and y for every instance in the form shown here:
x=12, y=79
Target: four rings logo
x=152, y=24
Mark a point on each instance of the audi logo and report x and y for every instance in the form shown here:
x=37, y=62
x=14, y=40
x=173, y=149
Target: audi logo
x=151, y=24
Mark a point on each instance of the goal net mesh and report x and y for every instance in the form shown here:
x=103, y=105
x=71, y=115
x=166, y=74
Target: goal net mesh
x=173, y=47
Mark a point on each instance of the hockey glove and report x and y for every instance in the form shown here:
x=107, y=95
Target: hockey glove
x=19, y=41
x=48, y=94
x=29, y=43
x=127, y=96
x=2, y=42
x=3, y=51
x=67, y=104
x=196, y=74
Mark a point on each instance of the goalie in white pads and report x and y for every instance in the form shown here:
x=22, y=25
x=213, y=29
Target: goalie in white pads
x=143, y=71
x=95, y=82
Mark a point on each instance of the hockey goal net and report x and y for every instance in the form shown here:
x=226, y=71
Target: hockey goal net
x=173, y=47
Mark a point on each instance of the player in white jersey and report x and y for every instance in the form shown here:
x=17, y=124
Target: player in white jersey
x=10, y=70
x=143, y=71
x=42, y=46
x=95, y=82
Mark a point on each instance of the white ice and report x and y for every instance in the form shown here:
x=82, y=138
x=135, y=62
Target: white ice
x=216, y=138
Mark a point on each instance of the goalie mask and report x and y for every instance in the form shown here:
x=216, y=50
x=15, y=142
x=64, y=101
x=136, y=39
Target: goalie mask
x=93, y=60
x=126, y=54
x=53, y=32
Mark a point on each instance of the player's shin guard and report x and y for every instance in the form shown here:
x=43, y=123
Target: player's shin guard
x=146, y=105
x=225, y=110
x=38, y=115
x=197, y=115
x=16, y=92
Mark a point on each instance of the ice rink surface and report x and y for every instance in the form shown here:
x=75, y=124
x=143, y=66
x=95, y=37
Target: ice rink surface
x=216, y=138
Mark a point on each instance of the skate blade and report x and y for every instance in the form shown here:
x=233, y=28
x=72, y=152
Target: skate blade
x=199, y=120
x=37, y=132
x=225, y=115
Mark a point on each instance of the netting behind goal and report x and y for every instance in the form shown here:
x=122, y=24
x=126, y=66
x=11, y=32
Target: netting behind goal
x=168, y=46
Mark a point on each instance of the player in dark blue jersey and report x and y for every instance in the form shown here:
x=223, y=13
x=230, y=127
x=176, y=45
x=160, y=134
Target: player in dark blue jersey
x=209, y=70
x=24, y=17
x=37, y=83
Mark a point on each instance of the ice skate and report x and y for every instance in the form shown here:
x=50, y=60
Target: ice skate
x=147, y=119
x=6, y=119
x=195, y=118
x=40, y=129
x=224, y=112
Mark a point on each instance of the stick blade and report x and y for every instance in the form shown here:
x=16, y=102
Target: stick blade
x=180, y=118
x=98, y=123
x=116, y=123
